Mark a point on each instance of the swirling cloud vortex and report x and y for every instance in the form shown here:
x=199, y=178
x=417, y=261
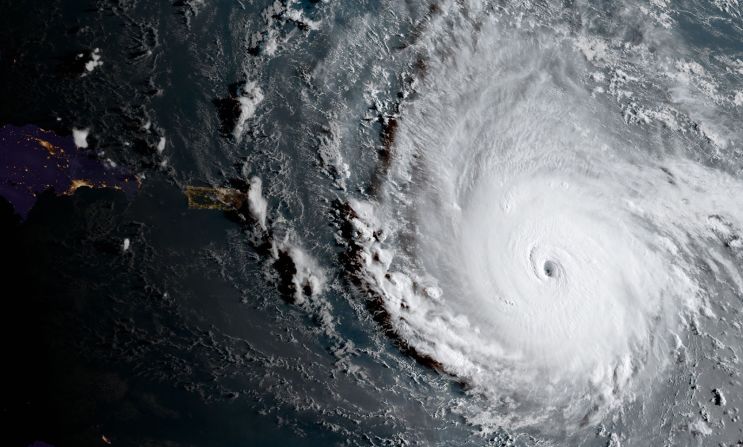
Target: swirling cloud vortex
x=539, y=248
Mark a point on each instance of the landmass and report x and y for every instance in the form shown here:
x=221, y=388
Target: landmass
x=203, y=197
x=34, y=160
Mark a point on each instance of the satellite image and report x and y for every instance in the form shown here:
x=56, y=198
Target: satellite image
x=437, y=223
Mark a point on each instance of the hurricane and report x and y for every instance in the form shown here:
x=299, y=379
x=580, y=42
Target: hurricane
x=429, y=223
x=532, y=239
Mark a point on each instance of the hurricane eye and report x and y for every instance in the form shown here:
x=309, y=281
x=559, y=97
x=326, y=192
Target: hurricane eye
x=550, y=268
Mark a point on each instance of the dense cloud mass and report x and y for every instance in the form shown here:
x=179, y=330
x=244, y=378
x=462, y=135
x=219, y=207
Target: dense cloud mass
x=543, y=247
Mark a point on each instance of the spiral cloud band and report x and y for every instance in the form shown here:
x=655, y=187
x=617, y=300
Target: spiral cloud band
x=532, y=242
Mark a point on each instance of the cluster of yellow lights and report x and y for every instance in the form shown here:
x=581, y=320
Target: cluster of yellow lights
x=203, y=197
x=47, y=146
x=79, y=183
